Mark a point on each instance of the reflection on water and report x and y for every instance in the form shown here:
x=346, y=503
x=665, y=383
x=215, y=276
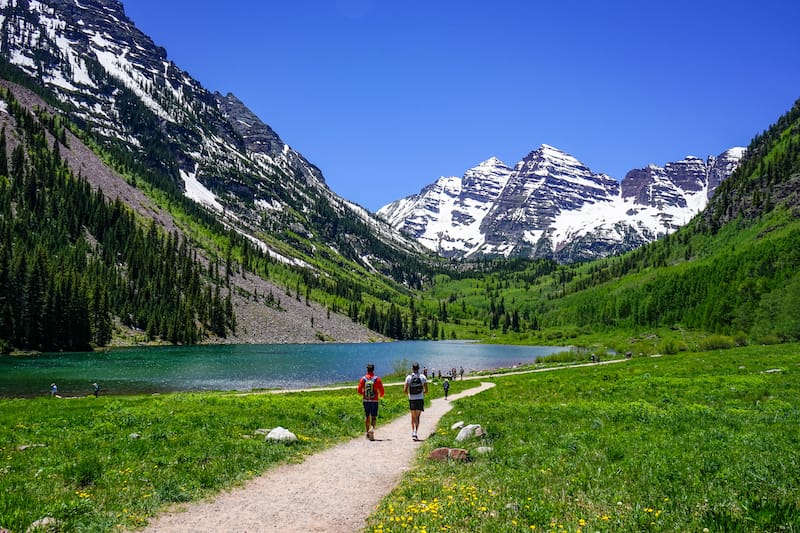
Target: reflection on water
x=243, y=367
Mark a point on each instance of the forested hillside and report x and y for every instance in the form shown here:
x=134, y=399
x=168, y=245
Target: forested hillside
x=71, y=262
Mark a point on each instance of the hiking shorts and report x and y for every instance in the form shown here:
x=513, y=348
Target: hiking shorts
x=416, y=405
x=371, y=409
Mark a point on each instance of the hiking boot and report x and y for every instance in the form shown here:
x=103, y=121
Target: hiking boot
x=370, y=435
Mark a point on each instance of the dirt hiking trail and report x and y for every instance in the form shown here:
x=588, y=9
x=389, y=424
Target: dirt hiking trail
x=332, y=491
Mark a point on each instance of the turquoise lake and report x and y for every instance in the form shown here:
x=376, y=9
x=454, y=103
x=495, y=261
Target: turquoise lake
x=242, y=367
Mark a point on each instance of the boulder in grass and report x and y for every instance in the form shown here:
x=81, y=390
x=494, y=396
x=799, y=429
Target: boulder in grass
x=446, y=454
x=46, y=524
x=458, y=454
x=281, y=434
x=23, y=447
x=439, y=454
x=467, y=432
x=458, y=425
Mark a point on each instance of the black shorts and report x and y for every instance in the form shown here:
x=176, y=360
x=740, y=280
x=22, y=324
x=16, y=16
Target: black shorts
x=416, y=405
x=371, y=408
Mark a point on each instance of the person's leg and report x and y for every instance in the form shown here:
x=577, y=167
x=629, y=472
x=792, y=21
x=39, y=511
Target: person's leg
x=371, y=410
x=368, y=419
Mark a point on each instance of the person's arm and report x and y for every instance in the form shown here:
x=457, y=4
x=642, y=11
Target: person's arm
x=379, y=386
x=361, y=386
x=405, y=386
x=425, y=386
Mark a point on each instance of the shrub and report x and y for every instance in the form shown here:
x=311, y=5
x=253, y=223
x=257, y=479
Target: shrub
x=740, y=339
x=769, y=339
x=672, y=346
x=561, y=357
x=716, y=342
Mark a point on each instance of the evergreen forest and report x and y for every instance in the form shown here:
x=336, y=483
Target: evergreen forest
x=72, y=263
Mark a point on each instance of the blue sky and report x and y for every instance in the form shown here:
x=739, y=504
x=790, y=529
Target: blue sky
x=385, y=97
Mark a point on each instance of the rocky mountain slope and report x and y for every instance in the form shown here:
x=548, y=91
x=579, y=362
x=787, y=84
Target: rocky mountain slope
x=552, y=205
x=139, y=123
x=115, y=81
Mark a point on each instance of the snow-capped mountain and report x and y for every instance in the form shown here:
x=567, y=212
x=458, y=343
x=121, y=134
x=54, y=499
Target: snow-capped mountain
x=552, y=205
x=117, y=83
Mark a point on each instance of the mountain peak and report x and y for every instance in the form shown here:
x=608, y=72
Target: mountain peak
x=552, y=205
x=491, y=162
x=737, y=152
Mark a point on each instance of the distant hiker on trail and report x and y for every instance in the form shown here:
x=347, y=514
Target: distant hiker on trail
x=95, y=389
x=446, y=387
x=53, y=390
x=370, y=388
x=461, y=372
x=416, y=386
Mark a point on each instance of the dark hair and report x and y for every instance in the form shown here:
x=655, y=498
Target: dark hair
x=415, y=366
x=370, y=367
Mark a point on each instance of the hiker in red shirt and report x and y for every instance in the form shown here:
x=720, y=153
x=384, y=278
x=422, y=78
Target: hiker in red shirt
x=370, y=388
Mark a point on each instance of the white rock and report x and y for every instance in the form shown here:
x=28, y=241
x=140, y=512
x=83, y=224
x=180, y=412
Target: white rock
x=472, y=430
x=281, y=434
x=458, y=425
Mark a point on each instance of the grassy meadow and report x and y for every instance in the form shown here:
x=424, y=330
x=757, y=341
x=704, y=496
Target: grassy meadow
x=108, y=463
x=683, y=442
x=705, y=441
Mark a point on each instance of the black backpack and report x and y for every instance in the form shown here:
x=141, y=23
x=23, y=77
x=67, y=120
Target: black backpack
x=415, y=385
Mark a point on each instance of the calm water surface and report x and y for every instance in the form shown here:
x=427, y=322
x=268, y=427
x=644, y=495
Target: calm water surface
x=242, y=367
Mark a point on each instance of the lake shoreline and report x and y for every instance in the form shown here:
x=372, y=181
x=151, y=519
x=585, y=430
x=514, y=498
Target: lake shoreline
x=246, y=367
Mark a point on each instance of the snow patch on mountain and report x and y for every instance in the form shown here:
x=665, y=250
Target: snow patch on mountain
x=199, y=192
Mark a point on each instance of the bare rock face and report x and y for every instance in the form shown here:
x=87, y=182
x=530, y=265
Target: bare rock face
x=723, y=166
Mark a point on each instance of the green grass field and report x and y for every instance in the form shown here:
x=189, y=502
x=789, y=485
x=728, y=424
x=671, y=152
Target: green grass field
x=692, y=442
x=99, y=464
x=681, y=443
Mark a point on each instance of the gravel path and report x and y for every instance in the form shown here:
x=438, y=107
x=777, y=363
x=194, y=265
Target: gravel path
x=326, y=492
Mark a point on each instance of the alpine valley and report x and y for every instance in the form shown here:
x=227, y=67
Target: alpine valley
x=551, y=205
x=136, y=206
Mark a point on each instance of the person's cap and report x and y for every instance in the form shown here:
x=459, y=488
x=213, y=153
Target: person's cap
x=370, y=367
x=415, y=366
